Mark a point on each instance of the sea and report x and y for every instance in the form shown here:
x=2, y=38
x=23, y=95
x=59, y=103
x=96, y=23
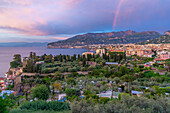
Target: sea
x=7, y=53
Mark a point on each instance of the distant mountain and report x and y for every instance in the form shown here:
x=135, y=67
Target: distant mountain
x=167, y=33
x=121, y=37
x=23, y=44
x=164, y=39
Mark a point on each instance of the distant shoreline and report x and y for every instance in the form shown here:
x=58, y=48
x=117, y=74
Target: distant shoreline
x=23, y=44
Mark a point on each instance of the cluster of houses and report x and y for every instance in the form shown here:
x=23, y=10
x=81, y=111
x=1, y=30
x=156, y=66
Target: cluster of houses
x=2, y=83
x=9, y=79
x=5, y=82
x=14, y=75
x=108, y=93
x=162, y=56
x=159, y=52
x=139, y=50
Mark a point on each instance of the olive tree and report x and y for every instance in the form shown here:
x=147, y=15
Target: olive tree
x=41, y=92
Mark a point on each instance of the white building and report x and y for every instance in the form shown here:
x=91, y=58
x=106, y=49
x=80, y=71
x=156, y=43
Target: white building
x=100, y=52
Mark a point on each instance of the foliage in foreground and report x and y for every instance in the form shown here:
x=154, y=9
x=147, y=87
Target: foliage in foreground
x=7, y=103
x=39, y=111
x=43, y=105
x=3, y=105
x=126, y=104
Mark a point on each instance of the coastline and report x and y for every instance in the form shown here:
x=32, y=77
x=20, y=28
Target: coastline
x=7, y=53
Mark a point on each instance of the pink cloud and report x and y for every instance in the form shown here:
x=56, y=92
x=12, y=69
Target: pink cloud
x=27, y=14
x=53, y=17
x=58, y=38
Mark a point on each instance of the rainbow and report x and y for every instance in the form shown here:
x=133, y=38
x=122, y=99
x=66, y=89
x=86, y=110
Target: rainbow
x=116, y=14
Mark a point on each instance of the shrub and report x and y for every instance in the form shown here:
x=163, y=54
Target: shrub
x=3, y=105
x=41, y=92
x=61, y=69
x=39, y=111
x=104, y=100
x=43, y=105
x=72, y=92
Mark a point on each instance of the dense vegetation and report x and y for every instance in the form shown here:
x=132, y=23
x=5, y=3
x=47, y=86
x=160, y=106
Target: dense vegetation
x=43, y=105
x=9, y=102
x=82, y=84
x=66, y=63
x=125, y=104
x=40, y=92
x=17, y=61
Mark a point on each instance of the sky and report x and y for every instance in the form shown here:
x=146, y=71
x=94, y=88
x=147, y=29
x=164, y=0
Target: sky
x=51, y=20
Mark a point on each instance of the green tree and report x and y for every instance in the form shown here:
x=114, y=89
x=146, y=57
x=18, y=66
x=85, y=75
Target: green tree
x=71, y=81
x=117, y=80
x=168, y=65
x=58, y=75
x=72, y=92
x=41, y=106
x=128, y=78
x=30, y=67
x=17, y=57
x=43, y=57
x=14, y=64
x=30, y=55
x=79, y=57
x=3, y=105
x=49, y=58
x=47, y=81
x=104, y=100
x=81, y=107
x=34, y=55
x=41, y=92
x=84, y=62
x=123, y=70
x=74, y=57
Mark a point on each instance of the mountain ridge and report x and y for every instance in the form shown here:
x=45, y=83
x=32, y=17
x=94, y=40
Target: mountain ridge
x=121, y=37
x=164, y=39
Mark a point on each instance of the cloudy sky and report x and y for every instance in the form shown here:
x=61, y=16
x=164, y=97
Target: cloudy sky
x=49, y=20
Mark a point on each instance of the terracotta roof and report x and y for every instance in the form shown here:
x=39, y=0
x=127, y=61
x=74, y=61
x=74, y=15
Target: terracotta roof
x=11, y=78
x=88, y=53
x=158, y=59
x=1, y=78
x=147, y=53
x=116, y=50
x=2, y=83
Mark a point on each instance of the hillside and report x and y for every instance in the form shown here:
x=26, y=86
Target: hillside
x=162, y=39
x=121, y=37
x=167, y=33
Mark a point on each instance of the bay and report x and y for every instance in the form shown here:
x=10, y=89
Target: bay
x=6, y=54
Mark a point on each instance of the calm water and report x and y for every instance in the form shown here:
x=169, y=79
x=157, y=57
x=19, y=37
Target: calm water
x=6, y=54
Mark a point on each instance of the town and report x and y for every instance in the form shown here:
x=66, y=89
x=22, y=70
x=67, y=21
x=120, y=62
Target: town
x=99, y=77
